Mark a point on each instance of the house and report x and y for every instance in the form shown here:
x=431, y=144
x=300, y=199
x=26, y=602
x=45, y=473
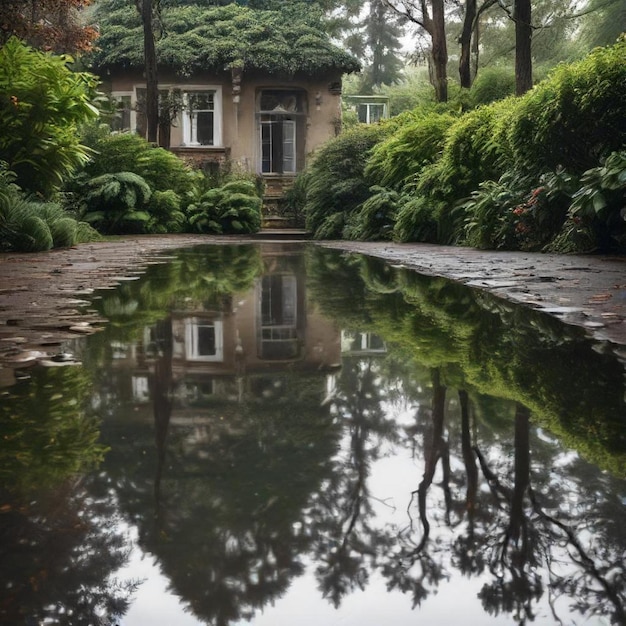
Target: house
x=257, y=105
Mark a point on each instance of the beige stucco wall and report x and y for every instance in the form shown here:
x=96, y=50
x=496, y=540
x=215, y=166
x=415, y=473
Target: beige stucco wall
x=240, y=126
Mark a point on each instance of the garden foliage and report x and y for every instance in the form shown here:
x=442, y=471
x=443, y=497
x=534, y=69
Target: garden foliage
x=545, y=171
x=30, y=225
x=336, y=181
x=232, y=208
x=42, y=104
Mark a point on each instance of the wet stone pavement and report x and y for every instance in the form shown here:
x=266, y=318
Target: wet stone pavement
x=44, y=296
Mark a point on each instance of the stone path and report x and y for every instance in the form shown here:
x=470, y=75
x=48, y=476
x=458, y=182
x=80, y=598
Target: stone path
x=44, y=296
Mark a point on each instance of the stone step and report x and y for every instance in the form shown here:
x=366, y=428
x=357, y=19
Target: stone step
x=283, y=234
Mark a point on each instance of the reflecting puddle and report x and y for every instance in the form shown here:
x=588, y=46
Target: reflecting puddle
x=278, y=435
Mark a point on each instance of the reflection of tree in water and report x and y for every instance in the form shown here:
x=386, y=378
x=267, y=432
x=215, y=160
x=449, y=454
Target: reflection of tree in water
x=530, y=532
x=231, y=521
x=530, y=535
x=58, y=557
x=59, y=542
x=348, y=546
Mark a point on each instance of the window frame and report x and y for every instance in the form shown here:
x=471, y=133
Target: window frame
x=192, y=351
x=183, y=118
x=189, y=125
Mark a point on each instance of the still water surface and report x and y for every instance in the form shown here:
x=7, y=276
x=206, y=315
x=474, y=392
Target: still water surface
x=281, y=435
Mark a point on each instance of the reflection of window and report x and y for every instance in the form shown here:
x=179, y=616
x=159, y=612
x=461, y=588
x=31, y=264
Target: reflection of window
x=204, y=340
x=119, y=350
x=141, y=392
x=361, y=342
x=281, y=120
x=370, y=113
x=196, y=393
x=279, y=317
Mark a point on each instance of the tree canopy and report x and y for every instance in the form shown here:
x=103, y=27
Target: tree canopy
x=196, y=37
x=55, y=25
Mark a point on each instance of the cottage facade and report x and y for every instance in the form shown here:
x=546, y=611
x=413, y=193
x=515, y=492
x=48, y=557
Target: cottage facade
x=253, y=122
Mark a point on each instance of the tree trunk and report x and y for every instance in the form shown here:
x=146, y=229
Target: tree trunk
x=523, y=38
x=439, y=51
x=465, y=68
x=152, y=83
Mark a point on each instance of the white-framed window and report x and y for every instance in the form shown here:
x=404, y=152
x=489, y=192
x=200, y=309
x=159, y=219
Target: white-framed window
x=201, y=116
x=371, y=112
x=204, y=340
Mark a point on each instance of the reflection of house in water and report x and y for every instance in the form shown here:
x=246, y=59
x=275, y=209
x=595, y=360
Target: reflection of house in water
x=238, y=346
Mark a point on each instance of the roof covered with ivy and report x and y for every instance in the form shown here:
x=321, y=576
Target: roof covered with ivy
x=193, y=38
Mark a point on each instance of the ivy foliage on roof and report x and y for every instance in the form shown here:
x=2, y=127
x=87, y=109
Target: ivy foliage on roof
x=195, y=38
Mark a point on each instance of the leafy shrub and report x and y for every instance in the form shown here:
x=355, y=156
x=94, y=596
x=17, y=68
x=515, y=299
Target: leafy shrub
x=233, y=208
x=486, y=212
x=597, y=214
x=42, y=104
x=127, y=152
x=336, y=184
x=476, y=148
x=415, y=221
x=575, y=117
x=399, y=158
x=491, y=84
x=29, y=226
x=116, y=203
x=375, y=218
x=165, y=211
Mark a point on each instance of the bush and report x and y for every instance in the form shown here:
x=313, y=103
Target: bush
x=233, y=208
x=29, y=226
x=597, y=213
x=375, y=218
x=42, y=104
x=336, y=183
x=165, y=212
x=415, y=221
x=491, y=84
x=126, y=152
x=575, y=117
x=486, y=215
x=116, y=204
x=398, y=159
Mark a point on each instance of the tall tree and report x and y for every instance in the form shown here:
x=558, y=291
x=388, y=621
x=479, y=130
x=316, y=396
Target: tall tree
x=374, y=38
x=51, y=25
x=522, y=14
x=469, y=39
x=430, y=16
x=147, y=10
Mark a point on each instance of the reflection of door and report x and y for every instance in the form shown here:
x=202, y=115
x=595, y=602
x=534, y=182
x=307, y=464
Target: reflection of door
x=278, y=312
x=278, y=145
